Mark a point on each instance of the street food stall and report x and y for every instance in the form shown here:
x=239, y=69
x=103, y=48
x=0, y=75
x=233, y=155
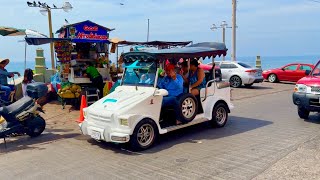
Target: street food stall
x=77, y=45
x=89, y=43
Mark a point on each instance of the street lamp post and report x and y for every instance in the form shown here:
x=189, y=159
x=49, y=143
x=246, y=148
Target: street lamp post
x=223, y=26
x=45, y=9
x=234, y=27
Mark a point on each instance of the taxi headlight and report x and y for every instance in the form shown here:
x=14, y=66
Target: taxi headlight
x=84, y=113
x=124, y=122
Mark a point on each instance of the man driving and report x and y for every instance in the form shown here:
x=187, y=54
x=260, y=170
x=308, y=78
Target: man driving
x=173, y=83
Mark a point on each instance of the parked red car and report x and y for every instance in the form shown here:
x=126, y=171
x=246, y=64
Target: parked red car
x=290, y=72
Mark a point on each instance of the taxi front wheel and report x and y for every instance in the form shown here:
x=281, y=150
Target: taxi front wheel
x=144, y=135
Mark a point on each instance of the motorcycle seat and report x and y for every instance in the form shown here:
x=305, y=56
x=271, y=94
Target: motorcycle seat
x=17, y=107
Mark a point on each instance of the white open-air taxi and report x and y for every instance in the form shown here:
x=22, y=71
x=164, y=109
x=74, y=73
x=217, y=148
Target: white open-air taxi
x=133, y=112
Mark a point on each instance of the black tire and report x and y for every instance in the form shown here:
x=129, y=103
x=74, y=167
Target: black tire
x=303, y=113
x=219, y=115
x=136, y=140
x=248, y=85
x=273, y=78
x=188, y=107
x=35, y=126
x=235, y=81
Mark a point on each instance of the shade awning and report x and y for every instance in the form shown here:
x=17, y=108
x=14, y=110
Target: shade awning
x=10, y=31
x=155, y=43
x=40, y=41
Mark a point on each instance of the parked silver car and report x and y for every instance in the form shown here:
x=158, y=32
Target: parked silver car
x=238, y=73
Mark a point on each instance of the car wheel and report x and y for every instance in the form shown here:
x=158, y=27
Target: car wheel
x=35, y=126
x=303, y=113
x=272, y=78
x=189, y=107
x=144, y=135
x=248, y=85
x=219, y=115
x=235, y=81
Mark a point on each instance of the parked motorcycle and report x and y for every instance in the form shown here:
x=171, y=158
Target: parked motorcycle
x=22, y=117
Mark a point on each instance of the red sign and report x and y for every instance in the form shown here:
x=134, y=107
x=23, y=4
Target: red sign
x=91, y=36
x=90, y=28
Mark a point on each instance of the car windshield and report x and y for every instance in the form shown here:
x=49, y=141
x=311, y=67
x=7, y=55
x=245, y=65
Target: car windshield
x=316, y=70
x=244, y=65
x=140, y=74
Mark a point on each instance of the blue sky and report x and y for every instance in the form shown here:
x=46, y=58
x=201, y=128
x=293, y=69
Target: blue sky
x=265, y=27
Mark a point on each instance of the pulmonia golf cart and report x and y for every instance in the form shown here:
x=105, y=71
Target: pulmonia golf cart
x=133, y=112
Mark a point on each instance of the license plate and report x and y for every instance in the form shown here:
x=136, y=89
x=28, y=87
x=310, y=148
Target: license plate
x=96, y=135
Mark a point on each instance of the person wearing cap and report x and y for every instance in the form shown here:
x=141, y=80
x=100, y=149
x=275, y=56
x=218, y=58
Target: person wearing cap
x=196, y=78
x=4, y=74
x=173, y=83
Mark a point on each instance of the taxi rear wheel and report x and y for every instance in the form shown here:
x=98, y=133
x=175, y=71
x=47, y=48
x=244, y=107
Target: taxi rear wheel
x=188, y=107
x=219, y=115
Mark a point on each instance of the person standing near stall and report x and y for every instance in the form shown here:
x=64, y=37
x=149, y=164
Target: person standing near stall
x=95, y=77
x=27, y=79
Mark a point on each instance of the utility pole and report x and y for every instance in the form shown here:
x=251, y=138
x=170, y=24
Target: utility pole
x=234, y=27
x=51, y=36
x=223, y=25
x=148, y=32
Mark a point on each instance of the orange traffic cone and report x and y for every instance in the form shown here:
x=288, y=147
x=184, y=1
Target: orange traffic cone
x=83, y=105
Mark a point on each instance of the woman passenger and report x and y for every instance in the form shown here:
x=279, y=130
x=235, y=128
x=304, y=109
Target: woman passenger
x=196, y=78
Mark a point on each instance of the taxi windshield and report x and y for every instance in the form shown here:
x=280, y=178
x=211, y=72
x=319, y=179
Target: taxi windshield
x=140, y=74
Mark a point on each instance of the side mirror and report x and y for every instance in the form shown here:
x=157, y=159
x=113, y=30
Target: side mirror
x=283, y=69
x=161, y=92
x=307, y=72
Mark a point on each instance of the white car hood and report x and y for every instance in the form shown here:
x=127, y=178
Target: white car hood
x=122, y=98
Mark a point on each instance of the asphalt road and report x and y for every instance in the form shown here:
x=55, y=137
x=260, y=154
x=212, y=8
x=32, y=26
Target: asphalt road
x=264, y=139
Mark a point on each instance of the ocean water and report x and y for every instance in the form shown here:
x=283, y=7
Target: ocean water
x=267, y=62
x=18, y=66
x=274, y=62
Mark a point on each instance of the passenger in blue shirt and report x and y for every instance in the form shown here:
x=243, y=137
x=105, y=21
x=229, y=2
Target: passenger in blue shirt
x=173, y=83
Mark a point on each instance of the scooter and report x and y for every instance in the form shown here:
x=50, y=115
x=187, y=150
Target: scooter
x=22, y=117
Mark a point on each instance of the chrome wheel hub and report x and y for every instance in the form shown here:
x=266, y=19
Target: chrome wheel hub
x=188, y=107
x=145, y=135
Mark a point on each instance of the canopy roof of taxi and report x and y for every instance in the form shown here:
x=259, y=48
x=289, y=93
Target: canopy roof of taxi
x=200, y=50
